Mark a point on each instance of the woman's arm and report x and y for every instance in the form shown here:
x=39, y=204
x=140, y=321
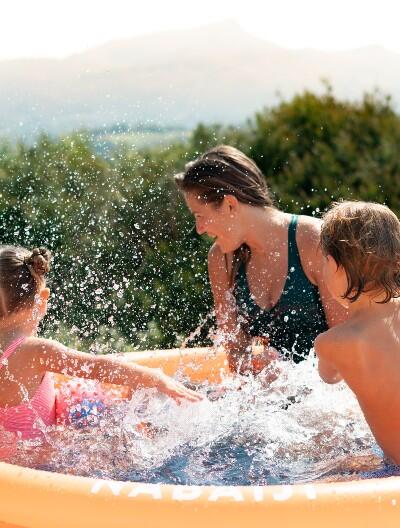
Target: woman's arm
x=52, y=356
x=231, y=334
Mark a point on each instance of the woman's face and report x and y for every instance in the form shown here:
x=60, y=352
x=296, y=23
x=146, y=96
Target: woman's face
x=219, y=221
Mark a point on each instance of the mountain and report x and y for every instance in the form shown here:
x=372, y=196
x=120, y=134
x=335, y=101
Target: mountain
x=217, y=73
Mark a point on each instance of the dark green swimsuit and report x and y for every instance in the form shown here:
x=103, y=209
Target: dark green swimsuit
x=296, y=319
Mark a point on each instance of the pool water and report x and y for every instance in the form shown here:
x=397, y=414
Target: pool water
x=297, y=429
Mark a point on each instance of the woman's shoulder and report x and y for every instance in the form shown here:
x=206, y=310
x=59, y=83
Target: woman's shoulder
x=308, y=230
x=308, y=242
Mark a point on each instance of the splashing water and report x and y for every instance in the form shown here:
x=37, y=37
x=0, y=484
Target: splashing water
x=296, y=430
x=197, y=332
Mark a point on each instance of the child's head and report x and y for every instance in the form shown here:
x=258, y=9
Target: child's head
x=22, y=280
x=362, y=241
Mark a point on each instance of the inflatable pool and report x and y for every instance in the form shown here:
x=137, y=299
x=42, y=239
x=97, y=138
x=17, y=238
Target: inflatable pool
x=40, y=499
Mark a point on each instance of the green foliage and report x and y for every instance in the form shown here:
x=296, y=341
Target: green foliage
x=315, y=149
x=128, y=270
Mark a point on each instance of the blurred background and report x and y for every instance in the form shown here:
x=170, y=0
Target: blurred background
x=102, y=102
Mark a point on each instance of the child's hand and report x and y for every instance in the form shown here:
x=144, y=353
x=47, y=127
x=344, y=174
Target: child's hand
x=174, y=389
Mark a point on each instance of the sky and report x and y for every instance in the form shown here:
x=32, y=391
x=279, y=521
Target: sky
x=58, y=28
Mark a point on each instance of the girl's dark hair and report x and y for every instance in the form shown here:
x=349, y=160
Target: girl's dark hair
x=364, y=239
x=222, y=171
x=22, y=275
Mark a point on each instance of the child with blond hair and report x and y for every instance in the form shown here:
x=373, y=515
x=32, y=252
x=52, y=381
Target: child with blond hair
x=361, y=245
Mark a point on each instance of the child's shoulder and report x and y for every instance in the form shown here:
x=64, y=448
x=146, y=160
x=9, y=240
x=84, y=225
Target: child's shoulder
x=38, y=344
x=339, y=338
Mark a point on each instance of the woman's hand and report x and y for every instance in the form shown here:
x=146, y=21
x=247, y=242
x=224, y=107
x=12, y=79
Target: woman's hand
x=174, y=389
x=254, y=359
x=264, y=358
x=272, y=370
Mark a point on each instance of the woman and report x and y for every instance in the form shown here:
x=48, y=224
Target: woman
x=264, y=266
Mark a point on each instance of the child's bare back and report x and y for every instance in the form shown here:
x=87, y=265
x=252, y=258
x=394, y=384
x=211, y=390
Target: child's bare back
x=365, y=352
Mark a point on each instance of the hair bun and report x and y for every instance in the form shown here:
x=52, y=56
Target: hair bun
x=39, y=261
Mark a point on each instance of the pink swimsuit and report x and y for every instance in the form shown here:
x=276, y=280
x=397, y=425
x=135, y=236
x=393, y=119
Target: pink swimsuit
x=28, y=419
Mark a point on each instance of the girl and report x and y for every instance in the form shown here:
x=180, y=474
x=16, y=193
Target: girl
x=264, y=266
x=27, y=394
